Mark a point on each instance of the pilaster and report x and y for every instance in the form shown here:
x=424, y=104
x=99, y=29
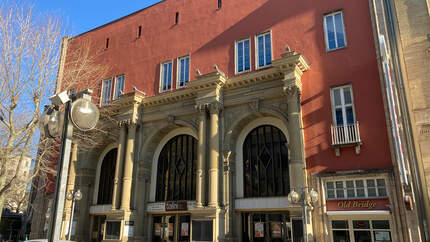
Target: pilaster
x=214, y=156
x=201, y=163
x=128, y=167
x=119, y=166
x=292, y=65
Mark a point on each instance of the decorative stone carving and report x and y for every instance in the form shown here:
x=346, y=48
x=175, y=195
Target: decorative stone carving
x=227, y=162
x=215, y=107
x=171, y=119
x=255, y=105
x=202, y=108
x=126, y=122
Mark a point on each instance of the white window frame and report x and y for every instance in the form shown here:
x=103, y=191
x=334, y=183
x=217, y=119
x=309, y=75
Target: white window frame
x=365, y=187
x=326, y=33
x=256, y=49
x=116, y=86
x=178, y=69
x=236, y=62
x=103, y=92
x=342, y=105
x=351, y=228
x=161, y=76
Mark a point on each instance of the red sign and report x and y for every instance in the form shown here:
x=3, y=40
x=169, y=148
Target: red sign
x=358, y=204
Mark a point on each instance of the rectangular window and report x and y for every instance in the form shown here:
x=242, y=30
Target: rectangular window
x=264, y=50
x=166, y=76
x=361, y=230
x=106, y=92
x=113, y=230
x=119, y=86
x=342, y=105
x=243, y=56
x=356, y=188
x=183, y=71
x=334, y=31
x=340, y=230
x=202, y=231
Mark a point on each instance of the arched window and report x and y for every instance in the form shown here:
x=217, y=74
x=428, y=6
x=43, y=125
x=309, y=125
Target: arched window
x=177, y=169
x=265, y=163
x=107, y=176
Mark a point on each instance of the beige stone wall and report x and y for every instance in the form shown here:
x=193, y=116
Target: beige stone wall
x=414, y=48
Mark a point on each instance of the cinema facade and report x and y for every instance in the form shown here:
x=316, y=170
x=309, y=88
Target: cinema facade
x=213, y=156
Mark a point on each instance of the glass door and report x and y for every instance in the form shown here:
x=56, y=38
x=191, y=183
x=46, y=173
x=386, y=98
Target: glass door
x=268, y=227
x=171, y=228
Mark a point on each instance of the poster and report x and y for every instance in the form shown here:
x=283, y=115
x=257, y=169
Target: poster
x=275, y=227
x=185, y=229
x=128, y=228
x=157, y=229
x=259, y=230
x=170, y=229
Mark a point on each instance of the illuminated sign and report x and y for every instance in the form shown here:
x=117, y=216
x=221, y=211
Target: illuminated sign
x=358, y=204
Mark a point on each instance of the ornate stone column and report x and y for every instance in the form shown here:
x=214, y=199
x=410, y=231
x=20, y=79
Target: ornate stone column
x=214, y=148
x=201, y=162
x=70, y=187
x=128, y=168
x=292, y=66
x=119, y=167
x=292, y=88
x=141, y=224
x=228, y=170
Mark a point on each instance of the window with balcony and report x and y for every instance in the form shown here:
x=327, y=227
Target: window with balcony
x=264, y=50
x=106, y=92
x=166, y=76
x=334, y=31
x=345, y=129
x=183, y=71
x=243, y=56
x=119, y=86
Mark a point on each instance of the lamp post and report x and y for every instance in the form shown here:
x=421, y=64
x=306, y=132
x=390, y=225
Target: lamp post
x=81, y=113
x=73, y=196
x=306, y=198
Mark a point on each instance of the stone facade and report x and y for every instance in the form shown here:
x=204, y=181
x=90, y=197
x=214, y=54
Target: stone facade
x=405, y=26
x=127, y=193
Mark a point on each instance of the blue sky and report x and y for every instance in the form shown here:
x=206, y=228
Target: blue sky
x=83, y=15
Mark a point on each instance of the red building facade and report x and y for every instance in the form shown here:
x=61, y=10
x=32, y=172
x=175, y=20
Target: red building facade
x=268, y=56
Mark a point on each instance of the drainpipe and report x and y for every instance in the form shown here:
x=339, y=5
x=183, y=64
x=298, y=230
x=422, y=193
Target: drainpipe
x=419, y=185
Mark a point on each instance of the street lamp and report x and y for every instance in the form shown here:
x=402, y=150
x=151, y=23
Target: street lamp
x=81, y=113
x=73, y=196
x=306, y=199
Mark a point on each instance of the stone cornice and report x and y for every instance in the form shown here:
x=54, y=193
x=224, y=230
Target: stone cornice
x=290, y=64
x=125, y=101
x=207, y=81
x=168, y=97
x=291, y=61
x=245, y=80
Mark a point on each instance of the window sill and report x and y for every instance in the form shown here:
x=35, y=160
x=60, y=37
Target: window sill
x=263, y=67
x=339, y=48
x=242, y=72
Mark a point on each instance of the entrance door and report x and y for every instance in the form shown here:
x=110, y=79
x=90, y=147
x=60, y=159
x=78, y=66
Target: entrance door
x=98, y=228
x=172, y=228
x=267, y=227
